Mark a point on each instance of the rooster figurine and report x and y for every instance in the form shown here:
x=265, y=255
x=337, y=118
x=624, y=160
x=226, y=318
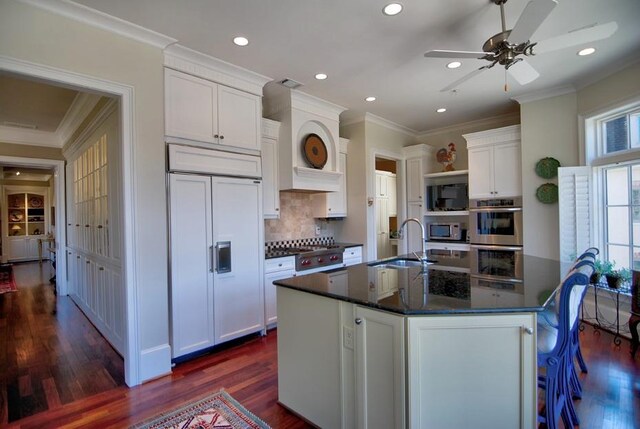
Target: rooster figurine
x=447, y=157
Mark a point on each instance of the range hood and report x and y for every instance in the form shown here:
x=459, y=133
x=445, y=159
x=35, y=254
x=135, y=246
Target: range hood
x=300, y=115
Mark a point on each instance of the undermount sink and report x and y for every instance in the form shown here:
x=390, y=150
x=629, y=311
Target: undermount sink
x=399, y=263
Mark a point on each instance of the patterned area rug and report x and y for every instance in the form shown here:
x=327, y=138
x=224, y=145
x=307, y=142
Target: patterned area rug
x=7, y=281
x=216, y=411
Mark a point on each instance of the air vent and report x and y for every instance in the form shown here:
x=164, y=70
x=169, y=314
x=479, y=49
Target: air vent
x=290, y=83
x=19, y=125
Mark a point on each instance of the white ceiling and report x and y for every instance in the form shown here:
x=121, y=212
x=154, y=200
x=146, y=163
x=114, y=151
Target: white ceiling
x=366, y=53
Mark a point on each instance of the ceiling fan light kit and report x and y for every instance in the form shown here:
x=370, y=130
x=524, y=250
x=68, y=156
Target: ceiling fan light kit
x=510, y=47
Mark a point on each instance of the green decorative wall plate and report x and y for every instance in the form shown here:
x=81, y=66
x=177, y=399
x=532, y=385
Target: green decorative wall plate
x=547, y=193
x=547, y=168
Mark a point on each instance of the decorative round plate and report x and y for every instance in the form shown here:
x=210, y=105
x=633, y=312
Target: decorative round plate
x=314, y=150
x=547, y=168
x=35, y=202
x=16, y=216
x=547, y=193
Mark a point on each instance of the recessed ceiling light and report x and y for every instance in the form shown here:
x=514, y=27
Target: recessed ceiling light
x=392, y=9
x=321, y=76
x=370, y=99
x=241, y=41
x=586, y=51
x=441, y=110
x=454, y=64
x=17, y=173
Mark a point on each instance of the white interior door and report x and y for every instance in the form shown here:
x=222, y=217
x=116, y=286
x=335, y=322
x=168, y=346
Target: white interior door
x=191, y=277
x=237, y=220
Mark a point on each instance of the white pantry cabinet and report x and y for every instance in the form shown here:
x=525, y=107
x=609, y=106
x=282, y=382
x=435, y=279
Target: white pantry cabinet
x=95, y=280
x=216, y=261
x=416, y=162
x=205, y=111
x=495, y=163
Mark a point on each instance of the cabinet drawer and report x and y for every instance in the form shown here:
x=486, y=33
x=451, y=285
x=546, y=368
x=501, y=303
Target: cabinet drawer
x=197, y=160
x=352, y=252
x=279, y=264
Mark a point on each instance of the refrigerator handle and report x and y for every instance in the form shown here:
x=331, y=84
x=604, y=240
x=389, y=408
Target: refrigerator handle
x=223, y=257
x=211, y=267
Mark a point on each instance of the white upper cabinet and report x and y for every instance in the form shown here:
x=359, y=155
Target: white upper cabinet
x=495, y=163
x=201, y=110
x=334, y=204
x=416, y=157
x=269, y=152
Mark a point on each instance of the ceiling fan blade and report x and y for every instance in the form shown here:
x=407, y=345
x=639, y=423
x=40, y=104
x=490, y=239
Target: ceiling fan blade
x=574, y=38
x=535, y=12
x=523, y=72
x=462, y=79
x=454, y=54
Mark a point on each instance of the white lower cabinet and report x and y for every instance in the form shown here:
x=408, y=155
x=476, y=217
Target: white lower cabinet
x=275, y=269
x=472, y=371
x=380, y=369
x=97, y=288
x=342, y=366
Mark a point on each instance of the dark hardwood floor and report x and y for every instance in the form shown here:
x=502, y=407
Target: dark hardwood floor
x=86, y=388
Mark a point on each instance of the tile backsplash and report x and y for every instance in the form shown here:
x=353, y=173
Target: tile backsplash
x=296, y=220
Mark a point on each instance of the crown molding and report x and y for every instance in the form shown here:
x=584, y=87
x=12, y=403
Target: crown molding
x=544, y=94
x=98, y=19
x=351, y=117
x=478, y=123
x=28, y=137
x=81, y=107
x=187, y=60
x=490, y=137
x=310, y=103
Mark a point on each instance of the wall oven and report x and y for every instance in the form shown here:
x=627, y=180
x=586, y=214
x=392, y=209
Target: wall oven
x=504, y=262
x=496, y=221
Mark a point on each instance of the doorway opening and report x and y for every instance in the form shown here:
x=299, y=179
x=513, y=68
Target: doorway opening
x=386, y=205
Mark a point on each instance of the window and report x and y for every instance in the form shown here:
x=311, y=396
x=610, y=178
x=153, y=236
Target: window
x=622, y=214
x=619, y=133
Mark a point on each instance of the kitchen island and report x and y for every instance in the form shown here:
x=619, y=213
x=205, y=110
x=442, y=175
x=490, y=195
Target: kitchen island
x=388, y=344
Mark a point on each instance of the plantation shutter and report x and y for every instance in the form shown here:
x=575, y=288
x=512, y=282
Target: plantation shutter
x=575, y=195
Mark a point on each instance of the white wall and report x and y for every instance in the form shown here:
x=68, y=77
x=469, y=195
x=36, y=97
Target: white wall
x=549, y=129
x=31, y=34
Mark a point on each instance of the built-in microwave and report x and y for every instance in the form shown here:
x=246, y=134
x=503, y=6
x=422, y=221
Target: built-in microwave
x=445, y=231
x=451, y=197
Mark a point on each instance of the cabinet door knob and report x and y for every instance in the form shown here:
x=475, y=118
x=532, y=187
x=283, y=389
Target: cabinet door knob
x=86, y=226
x=99, y=226
x=527, y=330
x=221, y=137
x=358, y=320
x=215, y=136
x=277, y=209
x=88, y=262
x=101, y=269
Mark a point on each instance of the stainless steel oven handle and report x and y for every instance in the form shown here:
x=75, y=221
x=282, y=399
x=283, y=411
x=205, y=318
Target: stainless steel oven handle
x=483, y=247
x=496, y=209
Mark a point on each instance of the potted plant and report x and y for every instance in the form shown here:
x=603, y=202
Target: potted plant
x=616, y=278
x=600, y=268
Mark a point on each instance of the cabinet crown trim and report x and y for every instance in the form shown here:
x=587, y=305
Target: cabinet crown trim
x=418, y=150
x=281, y=99
x=198, y=64
x=270, y=128
x=491, y=137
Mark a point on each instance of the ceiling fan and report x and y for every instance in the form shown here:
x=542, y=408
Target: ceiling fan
x=510, y=47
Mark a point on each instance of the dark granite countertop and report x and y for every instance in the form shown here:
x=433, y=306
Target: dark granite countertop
x=445, y=288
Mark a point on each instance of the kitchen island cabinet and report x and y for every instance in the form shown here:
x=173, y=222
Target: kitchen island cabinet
x=427, y=355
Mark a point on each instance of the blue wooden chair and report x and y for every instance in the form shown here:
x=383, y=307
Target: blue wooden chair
x=554, y=347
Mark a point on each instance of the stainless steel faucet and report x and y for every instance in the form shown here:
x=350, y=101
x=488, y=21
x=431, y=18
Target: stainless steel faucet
x=423, y=257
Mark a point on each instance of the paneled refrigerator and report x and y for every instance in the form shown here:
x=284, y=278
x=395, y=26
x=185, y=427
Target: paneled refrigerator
x=216, y=260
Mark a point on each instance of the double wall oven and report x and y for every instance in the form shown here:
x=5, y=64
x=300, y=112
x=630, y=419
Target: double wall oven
x=495, y=234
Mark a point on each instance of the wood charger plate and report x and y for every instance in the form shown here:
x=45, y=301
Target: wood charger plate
x=314, y=150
